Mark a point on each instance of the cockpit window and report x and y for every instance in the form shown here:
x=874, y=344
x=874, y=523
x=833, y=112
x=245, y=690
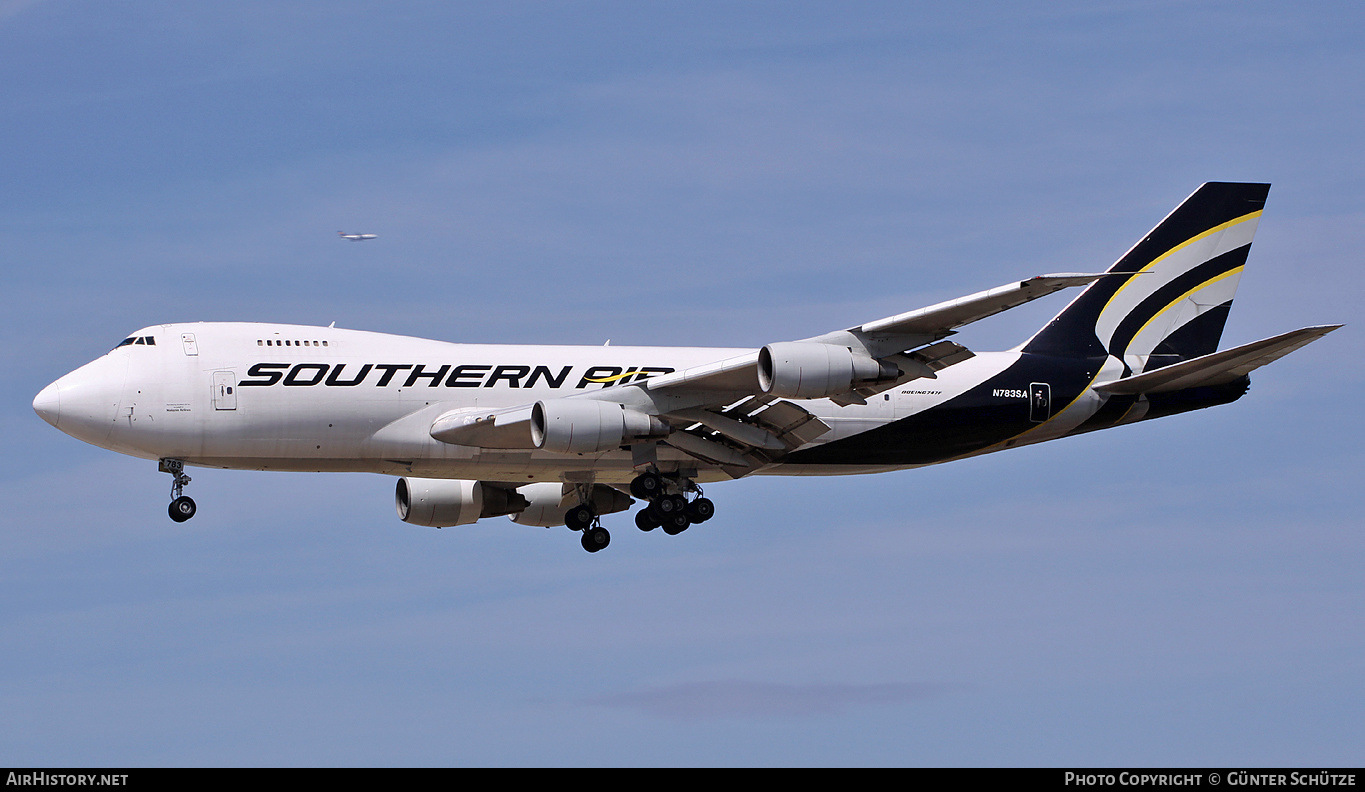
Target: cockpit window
x=125, y=342
x=143, y=340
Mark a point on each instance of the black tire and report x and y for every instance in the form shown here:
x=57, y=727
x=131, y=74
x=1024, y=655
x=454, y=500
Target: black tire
x=647, y=486
x=579, y=517
x=701, y=510
x=677, y=523
x=645, y=521
x=181, y=509
x=595, y=539
x=667, y=506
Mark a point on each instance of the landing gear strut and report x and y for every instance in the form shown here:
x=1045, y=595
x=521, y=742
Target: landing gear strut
x=182, y=506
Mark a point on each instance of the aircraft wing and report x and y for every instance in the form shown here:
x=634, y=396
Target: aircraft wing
x=944, y=318
x=884, y=337
x=744, y=411
x=729, y=413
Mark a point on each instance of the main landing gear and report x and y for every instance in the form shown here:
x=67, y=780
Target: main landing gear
x=182, y=506
x=668, y=506
x=584, y=518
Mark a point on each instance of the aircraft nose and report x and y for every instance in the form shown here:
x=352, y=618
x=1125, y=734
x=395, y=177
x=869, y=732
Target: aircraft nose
x=84, y=402
x=48, y=403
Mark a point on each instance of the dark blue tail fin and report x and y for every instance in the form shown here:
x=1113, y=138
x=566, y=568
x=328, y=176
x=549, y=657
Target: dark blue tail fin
x=1174, y=305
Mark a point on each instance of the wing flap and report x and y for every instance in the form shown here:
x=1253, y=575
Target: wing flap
x=758, y=424
x=747, y=434
x=791, y=423
x=710, y=451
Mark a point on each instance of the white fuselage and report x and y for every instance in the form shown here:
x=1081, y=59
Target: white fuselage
x=288, y=397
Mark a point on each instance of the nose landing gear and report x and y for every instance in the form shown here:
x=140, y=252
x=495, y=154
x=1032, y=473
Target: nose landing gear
x=182, y=506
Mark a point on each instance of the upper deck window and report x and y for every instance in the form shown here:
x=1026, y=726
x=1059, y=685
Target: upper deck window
x=262, y=342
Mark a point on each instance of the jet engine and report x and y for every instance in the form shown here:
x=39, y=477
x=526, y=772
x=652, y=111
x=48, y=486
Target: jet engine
x=806, y=370
x=584, y=426
x=440, y=502
x=547, y=503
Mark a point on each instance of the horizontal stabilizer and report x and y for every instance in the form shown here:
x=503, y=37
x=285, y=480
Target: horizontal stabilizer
x=1218, y=368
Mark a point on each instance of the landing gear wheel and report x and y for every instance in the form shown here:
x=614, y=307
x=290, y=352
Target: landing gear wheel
x=645, y=521
x=701, y=510
x=181, y=509
x=595, y=538
x=579, y=517
x=676, y=523
x=647, y=486
x=666, y=506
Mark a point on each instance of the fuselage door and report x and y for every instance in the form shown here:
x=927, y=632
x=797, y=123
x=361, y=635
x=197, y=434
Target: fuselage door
x=1039, y=401
x=191, y=347
x=224, y=390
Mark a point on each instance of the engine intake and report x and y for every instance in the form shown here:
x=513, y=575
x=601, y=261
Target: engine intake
x=437, y=503
x=804, y=370
x=584, y=426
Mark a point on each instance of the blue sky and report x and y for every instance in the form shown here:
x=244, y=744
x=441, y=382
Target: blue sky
x=1182, y=592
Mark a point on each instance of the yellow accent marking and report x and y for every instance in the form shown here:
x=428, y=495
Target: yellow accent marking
x=615, y=377
x=1058, y=413
x=1181, y=246
x=1182, y=297
x=1055, y=415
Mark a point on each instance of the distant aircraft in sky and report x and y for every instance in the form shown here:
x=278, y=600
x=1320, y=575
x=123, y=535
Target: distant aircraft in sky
x=357, y=237
x=561, y=435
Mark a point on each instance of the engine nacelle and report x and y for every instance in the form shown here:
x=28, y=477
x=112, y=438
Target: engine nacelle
x=586, y=426
x=543, y=507
x=806, y=370
x=437, y=503
x=547, y=504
